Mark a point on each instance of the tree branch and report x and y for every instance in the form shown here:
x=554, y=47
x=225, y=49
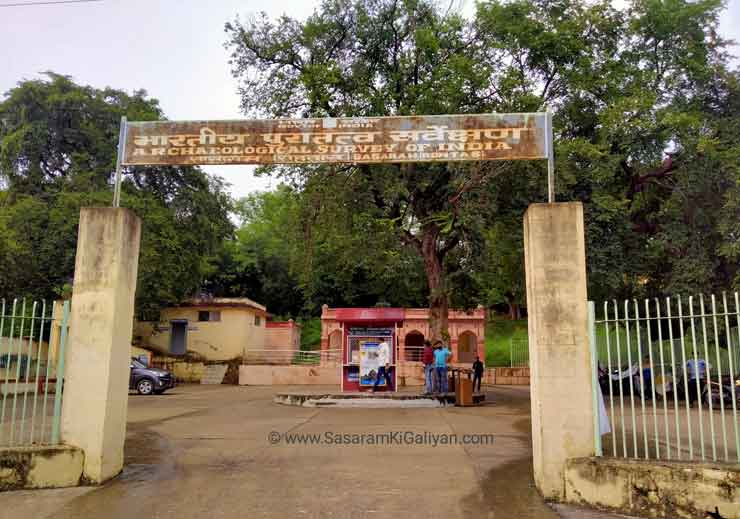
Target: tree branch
x=476, y=179
x=449, y=245
x=638, y=182
x=410, y=239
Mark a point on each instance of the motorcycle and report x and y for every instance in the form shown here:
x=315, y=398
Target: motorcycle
x=619, y=378
x=713, y=392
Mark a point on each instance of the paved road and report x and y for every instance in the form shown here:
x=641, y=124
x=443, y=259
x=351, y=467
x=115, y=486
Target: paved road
x=204, y=451
x=661, y=422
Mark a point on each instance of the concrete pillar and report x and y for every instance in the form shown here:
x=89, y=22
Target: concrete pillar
x=560, y=360
x=99, y=343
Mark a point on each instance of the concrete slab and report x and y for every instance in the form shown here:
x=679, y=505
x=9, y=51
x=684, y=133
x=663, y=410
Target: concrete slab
x=397, y=399
x=205, y=451
x=40, y=467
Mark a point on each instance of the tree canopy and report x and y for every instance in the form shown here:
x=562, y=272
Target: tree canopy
x=644, y=129
x=57, y=153
x=647, y=136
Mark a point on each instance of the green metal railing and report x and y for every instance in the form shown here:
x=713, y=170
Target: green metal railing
x=33, y=338
x=668, y=370
x=518, y=353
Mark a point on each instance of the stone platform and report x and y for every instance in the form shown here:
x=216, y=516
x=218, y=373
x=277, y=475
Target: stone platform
x=366, y=399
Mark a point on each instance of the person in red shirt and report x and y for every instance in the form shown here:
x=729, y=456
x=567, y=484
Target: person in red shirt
x=427, y=359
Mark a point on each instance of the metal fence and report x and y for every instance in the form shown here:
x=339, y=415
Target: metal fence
x=518, y=353
x=413, y=353
x=294, y=357
x=33, y=337
x=668, y=373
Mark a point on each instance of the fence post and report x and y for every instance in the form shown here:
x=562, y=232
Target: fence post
x=511, y=353
x=594, y=376
x=99, y=343
x=560, y=359
x=59, y=386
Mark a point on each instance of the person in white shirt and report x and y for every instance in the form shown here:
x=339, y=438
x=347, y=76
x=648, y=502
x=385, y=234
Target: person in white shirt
x=383, y=365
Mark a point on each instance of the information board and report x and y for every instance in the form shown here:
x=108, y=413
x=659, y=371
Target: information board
x=429, y=138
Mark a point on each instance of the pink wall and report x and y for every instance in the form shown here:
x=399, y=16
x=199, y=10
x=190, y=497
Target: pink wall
x=414, y=320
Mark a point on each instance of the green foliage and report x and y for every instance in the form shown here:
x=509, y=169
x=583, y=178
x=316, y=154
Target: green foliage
x=311, y=334
x=368, y=227
x=645, y=119
x=499, y=335
x=294, y=259
x=646, y=131
x=57, y=154
x=256, y=262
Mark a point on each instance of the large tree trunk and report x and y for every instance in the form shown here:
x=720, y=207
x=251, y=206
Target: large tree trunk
x=438, y=299
x=514, y=311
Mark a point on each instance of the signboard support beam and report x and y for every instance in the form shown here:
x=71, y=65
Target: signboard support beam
x=550, y=159
x=348, y=140
x=119, y=158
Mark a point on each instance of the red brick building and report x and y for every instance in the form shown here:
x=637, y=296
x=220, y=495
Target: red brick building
x=411, y=328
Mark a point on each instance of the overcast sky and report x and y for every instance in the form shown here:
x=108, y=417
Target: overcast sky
x=172, y=48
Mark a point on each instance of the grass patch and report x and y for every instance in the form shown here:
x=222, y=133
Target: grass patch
x=499, y=337
x=501, y=333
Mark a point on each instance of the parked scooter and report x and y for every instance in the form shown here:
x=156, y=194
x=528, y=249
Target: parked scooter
x=619, y=377
x=712, y=391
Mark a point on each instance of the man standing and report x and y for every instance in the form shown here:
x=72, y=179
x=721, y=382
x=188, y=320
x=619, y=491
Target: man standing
x=441, y=356
x=428, y=359
x=477, y=372
x=383, y=366
x=647, y=378
x=697, y=369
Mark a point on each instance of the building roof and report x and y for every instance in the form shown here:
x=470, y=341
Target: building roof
x=227, y=302
x=386, y=314
x=282, y=324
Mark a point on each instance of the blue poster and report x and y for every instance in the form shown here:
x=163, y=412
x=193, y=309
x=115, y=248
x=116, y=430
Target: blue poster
x=369, y=363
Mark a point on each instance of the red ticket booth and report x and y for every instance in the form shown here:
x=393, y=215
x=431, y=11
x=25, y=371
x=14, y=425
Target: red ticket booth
x=363, y=330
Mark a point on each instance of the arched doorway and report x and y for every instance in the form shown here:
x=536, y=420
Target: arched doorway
x=334, y=353
x=335, y=340
x=413, y=346
x=467, y=347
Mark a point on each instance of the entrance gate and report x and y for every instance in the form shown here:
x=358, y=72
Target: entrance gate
x=94, y=407
x=365, y=140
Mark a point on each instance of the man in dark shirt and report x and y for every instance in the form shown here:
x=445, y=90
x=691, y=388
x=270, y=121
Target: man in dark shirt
x=647, y=378
x=478, y=369
x=427, y=359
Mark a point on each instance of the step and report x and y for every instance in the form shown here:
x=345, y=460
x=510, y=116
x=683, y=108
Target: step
x=214, y=374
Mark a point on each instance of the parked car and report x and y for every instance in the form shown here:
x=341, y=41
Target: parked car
x=148, y=381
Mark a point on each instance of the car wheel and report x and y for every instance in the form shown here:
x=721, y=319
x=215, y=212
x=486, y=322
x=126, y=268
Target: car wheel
x=145, y=386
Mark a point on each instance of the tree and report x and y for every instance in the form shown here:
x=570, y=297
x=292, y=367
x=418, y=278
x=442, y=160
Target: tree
x=257, y=261
x=57, y=154
x=627, y=87
x=636, y=95
x=294, y=256
x=376, y=58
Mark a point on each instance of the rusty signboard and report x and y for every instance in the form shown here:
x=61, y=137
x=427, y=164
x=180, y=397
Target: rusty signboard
x=433, y=138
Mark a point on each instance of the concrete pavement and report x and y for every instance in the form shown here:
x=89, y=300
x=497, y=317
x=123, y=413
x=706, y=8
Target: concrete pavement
x=205, y=451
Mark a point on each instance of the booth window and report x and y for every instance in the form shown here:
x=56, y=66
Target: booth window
x=257, y=320
x=209, y=316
